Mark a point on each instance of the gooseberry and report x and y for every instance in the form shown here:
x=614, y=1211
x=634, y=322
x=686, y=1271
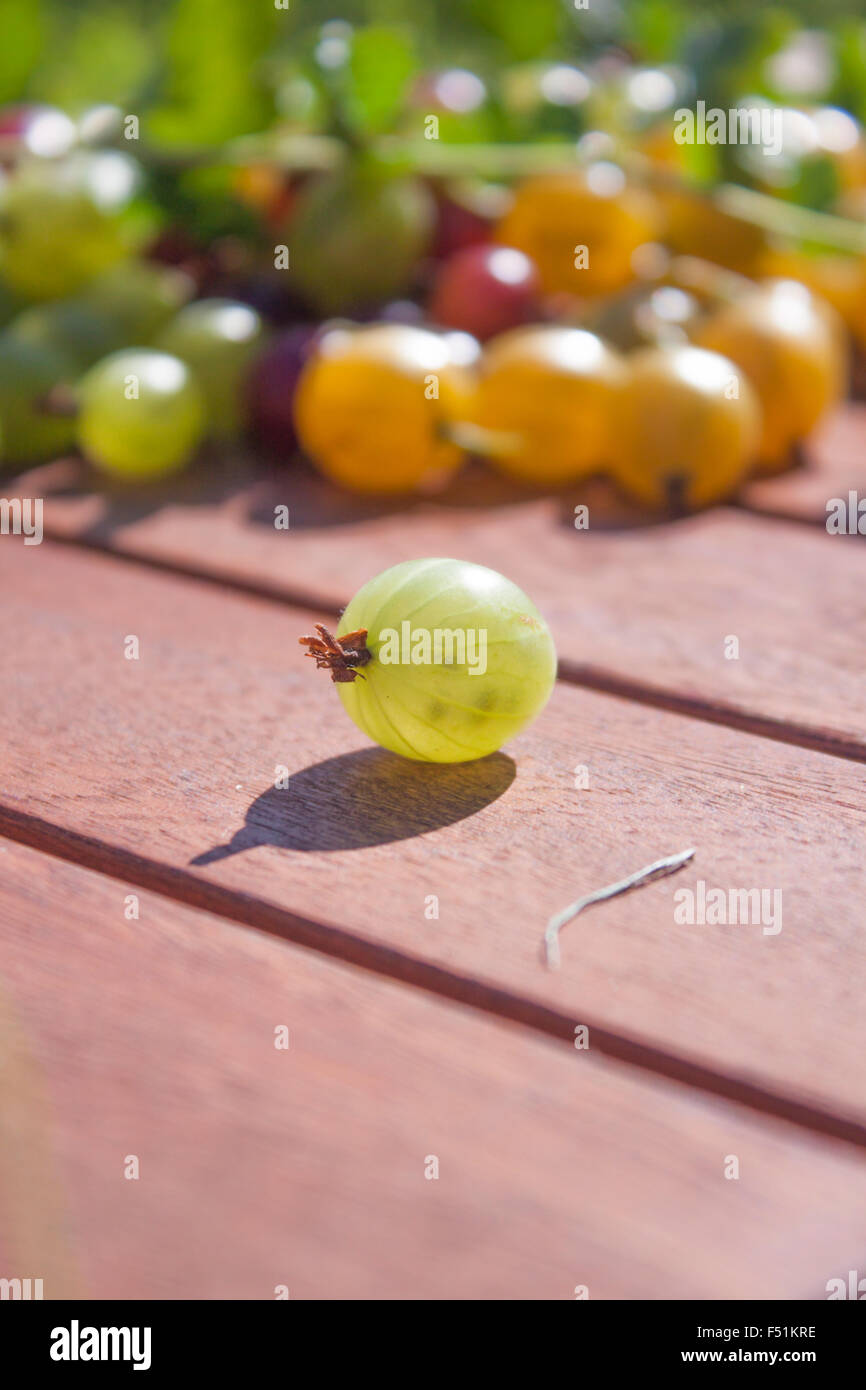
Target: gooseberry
x=54, y=237
x=485, y=290
x=440, y=660
x=645, y=315
x=140, y=297
x=549, y=391
x=836, y=277
x=374, y=402
x=32, y=430
x=581, y=229
x=141, y=414
x=789, y=346
x=219, y=340
x=76, y=330
x=459, y=224
x=357, y=236
x=271, y=388
x=685, y=427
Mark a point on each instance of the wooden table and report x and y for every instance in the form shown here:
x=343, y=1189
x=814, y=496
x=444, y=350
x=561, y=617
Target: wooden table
x=433, y=1129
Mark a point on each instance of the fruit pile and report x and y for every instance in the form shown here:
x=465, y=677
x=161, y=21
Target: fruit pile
x=570, y=338
x=600, y=314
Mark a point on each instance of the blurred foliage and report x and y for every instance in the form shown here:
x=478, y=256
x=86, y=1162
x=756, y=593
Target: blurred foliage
x=215, y=80
x=207, y=69
x=24, y=28
x=201, y=73
x=107, y=52
x=381, y=63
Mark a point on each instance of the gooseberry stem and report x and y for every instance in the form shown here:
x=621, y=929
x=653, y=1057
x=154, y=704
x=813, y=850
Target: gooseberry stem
x=339, y=655
x=676, y=488
x=635, y=880
x=790, y=220
x=477, y=439
x=706, y=280
x=306, y=153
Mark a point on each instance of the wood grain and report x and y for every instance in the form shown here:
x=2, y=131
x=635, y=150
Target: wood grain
x=162, y=770
x=640, y=610
x=259, y=1167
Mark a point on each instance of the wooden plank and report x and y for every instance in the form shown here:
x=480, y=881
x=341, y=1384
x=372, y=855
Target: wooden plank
x=305, y=1167
x=645, y=611
x=163, y=770
x=834, y=464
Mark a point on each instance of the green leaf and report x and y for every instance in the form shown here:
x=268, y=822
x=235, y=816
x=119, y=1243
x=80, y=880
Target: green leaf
x=528, y=28
x=203, y=201
x=103, y=53
x=817, y=184
x=22, y=24
x=851, y=61
x=701, y=163
x=381, y=65
x=657, y=26
x=216, y=84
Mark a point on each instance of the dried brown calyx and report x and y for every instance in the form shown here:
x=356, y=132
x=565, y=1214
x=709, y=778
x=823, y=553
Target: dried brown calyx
x=339, y=655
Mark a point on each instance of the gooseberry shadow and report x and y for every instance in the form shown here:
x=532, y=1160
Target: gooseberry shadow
x=606, y=508
x=318, y=504
x=369, y=797
x=214, y=478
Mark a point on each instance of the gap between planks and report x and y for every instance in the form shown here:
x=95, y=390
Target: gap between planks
x=579, y=674
x=254, y=909
x=249, y=911
x=543, y=1175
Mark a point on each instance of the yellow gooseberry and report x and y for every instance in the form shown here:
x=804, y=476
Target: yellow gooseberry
x=685, y=427
x=789, y=345
x=581, y=229
x=549, y=391
x=373, y=405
